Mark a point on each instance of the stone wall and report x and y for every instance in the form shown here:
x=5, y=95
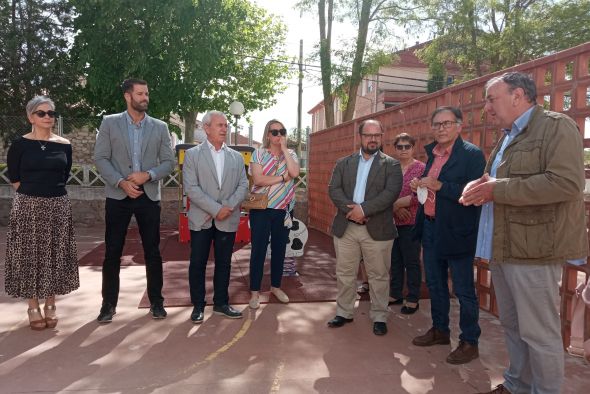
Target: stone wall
x=82, y=140
x=88, y=205
x=82, y=144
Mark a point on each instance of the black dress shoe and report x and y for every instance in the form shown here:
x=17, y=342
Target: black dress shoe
x=107, y=311
x=158, y=311
x=398, y=301
x=379, y=328
x=197, y=316
x=408, y=310
x=338, y=321
x=227, y=311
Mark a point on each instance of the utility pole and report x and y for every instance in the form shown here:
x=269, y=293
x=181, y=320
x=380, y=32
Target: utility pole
x=300, y=98
x=376, y=93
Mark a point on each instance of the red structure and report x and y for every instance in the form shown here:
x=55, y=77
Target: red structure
x=184, y=236
x=563, y=85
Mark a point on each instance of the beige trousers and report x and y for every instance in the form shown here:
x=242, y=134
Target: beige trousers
x=354, y=245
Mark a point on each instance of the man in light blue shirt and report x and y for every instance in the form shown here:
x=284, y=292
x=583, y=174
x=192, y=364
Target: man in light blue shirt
x=486, y=220
x=363, y=188
x=532, y=222
x=133, y=153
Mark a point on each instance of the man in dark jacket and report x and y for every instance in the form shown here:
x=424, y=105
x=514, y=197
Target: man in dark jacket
x=448, y=231
x=363, y=188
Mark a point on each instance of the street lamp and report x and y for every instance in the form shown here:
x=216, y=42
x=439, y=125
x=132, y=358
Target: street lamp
x=236, y=109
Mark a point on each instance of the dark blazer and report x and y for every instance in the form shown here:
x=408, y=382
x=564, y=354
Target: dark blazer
x=384, y=184
x=456, y=225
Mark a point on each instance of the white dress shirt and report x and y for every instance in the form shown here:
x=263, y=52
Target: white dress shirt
x=218, y=159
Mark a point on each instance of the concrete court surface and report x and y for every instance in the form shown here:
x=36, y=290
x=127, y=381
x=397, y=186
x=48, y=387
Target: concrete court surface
x=277, y=349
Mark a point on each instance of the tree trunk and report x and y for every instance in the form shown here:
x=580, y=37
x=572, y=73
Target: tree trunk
x=190, y=120
x=473, y=26
x=355, y=76
x=326, y=58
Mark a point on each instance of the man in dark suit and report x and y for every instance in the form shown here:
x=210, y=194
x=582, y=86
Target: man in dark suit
x=448, y=231
x=214, y=179
x=364, y=187
x=132, y=153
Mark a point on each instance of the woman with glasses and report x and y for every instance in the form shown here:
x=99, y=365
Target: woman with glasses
x=41, y=259
x=405, y=254
x=273, y=168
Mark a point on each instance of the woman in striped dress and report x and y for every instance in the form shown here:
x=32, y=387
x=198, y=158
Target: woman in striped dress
x=273, y=168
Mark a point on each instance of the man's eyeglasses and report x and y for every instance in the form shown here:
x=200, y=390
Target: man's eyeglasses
x=372, y=136
x=276, y=132
x=403, y=147
x=41, y=114
x=445, y=125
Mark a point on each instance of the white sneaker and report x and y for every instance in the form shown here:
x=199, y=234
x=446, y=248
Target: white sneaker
x=280, y=294
x=254, y=303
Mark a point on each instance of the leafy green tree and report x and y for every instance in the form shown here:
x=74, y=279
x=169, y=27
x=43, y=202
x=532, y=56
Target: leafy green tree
x=34, y=42
x=483, y=36
x=195, y=55
x=343, y=69
x=566, y=26
x=436, y=72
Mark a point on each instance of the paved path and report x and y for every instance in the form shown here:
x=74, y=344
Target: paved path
x=277, y=349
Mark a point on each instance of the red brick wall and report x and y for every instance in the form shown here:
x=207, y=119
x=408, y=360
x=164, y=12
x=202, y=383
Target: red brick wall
x=554, y=79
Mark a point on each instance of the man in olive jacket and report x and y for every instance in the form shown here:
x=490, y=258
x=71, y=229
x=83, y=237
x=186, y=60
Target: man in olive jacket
x=363, y=188
x=532, y=222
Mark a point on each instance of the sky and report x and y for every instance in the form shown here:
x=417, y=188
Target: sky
x=299, y=27
x=303, y=27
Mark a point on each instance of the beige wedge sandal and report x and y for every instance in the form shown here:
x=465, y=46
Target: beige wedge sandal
x=50, y=316
x=36, y=320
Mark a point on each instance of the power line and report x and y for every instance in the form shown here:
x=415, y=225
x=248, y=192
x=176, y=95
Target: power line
x=380, y=81
x=293, y=63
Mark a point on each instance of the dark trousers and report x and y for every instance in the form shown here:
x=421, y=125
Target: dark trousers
x=436, y=270
x=223, y=244
x=264, y=224
x=117, y=217
x=405, y=261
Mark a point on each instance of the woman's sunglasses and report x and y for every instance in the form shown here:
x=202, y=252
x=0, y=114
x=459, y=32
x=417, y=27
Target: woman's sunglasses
x=41, y=114
x=283, y=132
x=403, y=147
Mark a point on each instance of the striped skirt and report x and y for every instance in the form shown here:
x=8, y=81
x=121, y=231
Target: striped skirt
x=41, y=258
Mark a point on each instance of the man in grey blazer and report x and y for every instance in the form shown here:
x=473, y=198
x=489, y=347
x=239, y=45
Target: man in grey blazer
x=132, y=153
x=364, y=187
x=215, y=181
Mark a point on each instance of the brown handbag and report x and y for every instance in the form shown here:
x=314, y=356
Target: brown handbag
x=257, y=200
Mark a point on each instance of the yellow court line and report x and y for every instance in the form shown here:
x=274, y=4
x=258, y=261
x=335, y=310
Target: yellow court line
x=212, y=356
x=239, y=335
x=276, y=383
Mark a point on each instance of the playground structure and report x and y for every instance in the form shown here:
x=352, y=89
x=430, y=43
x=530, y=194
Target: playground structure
x=184, y=235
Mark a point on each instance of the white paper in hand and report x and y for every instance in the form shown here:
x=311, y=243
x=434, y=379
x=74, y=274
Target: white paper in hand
x=422, y=193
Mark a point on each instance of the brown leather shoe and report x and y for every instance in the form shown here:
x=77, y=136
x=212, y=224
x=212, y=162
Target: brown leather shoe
x=500, y=389
x=464, y=353
x=432, y=337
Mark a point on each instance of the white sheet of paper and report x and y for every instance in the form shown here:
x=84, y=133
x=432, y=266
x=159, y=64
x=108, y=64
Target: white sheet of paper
x=422, y=193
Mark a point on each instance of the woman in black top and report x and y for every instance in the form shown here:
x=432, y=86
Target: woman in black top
x=41, y=259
